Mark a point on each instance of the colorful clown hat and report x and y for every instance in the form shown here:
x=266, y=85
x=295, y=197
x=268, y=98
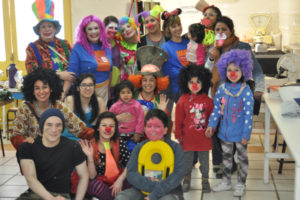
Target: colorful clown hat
x=44, y=11
x=154, y=12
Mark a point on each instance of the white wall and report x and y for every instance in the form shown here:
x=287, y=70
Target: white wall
x=100, y=8
x=285, y=14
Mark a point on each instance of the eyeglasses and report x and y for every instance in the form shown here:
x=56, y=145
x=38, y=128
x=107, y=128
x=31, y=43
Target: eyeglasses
x=84, y=86
x=209, y=14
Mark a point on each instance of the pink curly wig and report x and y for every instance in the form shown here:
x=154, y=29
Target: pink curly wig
x=81, y=35
x=239, y=57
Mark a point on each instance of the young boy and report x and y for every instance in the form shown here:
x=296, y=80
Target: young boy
x=156, y=126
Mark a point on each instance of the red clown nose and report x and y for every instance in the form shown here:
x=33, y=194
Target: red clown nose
x=108, y=129
x=232, y=73
x=150, y=25
x=195, y=86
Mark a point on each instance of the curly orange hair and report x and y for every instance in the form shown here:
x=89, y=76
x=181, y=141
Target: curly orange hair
x=161, y=82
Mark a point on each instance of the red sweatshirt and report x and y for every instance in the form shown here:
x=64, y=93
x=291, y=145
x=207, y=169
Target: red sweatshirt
x=191, y=119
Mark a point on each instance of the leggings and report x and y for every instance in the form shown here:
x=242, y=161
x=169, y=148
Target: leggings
x=227, y=148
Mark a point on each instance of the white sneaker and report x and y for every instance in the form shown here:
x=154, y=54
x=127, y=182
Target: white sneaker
x=222, y=186
x=239, y=190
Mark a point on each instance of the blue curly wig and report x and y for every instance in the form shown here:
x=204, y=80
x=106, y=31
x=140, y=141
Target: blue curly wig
x=239, y=57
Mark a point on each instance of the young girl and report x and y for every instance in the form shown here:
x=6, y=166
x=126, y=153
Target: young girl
x=191, y=119
x=233, y=106
x=104, y=183
x=130, y=113
x=195, y=49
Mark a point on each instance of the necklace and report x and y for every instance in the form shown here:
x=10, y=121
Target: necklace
x=150, y=99
x=234, y=95
x=38, y=107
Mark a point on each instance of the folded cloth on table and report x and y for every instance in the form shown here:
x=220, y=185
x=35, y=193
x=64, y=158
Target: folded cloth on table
x=290, y=109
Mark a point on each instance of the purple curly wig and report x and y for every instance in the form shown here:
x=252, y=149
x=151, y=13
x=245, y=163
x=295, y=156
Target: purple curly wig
x=239, y=57
x=81, y=35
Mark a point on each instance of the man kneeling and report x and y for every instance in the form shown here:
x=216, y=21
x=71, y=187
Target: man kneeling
x=47, y=164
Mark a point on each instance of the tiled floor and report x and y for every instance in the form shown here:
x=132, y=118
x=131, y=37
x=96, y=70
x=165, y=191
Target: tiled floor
x=280, y=188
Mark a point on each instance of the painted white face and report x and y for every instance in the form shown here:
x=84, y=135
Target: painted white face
x=47, y=31
x=111, y=30
x=127, y=31
x=233, y=73
x=92, y=32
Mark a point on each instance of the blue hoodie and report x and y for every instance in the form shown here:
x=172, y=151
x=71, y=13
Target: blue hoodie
x=235, y=113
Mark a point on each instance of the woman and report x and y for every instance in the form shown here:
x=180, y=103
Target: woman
x=105, y=183
x=48, y=51
x=224, y=25
x=149, y=83
x=176, y=47
x=127, y=44
x=92, y=54
x=151, y=19
x=111, y=26
x=42, y=90
x=84, y=103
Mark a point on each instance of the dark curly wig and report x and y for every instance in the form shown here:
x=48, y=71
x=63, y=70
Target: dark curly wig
x=93, y=101
x=106, y=115
x=47, y=76
x=192, y=70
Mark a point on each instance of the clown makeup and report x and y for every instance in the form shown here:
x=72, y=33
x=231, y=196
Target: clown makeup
x=107, y=128
x=92, y=32
x=47, y=31
x=233, y=73
x=151, y=24
x=127, y=31
x=210, y=17
x=194, y=85
x=222, y=28
x=111, y=30
x=125, y=95
x=155, y=129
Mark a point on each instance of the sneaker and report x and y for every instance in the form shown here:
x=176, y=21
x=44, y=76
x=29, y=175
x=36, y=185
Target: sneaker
x=186, y=185
x=222, y=186
x=219, y=173
x=216, y=168
x=205, y=186
x=239, y=190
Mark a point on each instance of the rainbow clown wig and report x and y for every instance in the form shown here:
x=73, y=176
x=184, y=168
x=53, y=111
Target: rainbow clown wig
x=122, y=21
x=81, y=37
x=150, y=69
x=239, y=57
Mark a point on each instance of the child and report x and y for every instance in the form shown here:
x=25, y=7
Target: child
x=130, y=113
x=191, y=119
x=195, y=49
x=156, y=126
x=107, y=156
x=233, y=106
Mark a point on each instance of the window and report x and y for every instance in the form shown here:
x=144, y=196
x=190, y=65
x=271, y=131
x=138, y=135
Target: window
x=17, y=26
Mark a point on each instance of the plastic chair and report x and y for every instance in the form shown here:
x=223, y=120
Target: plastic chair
x=10, y=110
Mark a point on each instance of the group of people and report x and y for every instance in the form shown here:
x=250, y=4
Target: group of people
x=90, y=111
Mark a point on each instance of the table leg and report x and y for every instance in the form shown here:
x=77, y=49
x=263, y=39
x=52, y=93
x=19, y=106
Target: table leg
x=2, y=145
x=3, y=120
x=267, y=144
x=297, y=181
